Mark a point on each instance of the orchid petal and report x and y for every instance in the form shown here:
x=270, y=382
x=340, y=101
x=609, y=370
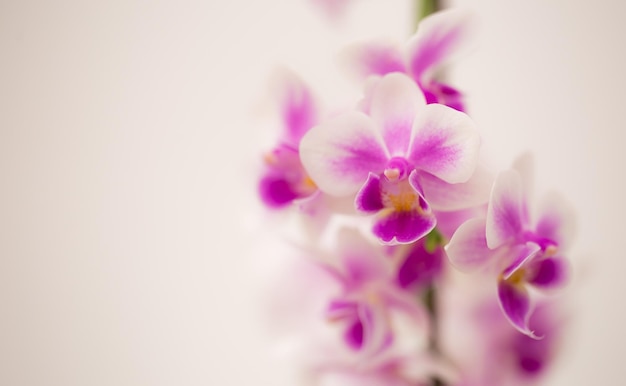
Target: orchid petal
x=548, y=273
x=420, y=267
x=395, y=101
x=556, y=220
x=276, y=191
x=444, y=143
x=377, y=332
x=439, y=38
x=368, y=199
x=376, y=58
x=360, y=261
x=505, y=213
x=449, y=222
x=517, y=256
x=516, y=305
x=297, y=107
x=339, y=154
x=450, y=197
x=467, y=249
x=402, y=226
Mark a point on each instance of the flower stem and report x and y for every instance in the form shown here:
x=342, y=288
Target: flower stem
x=424, y=8
x=430, y=302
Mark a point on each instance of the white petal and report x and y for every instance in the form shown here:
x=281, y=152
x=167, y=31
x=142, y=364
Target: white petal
x=506, y=210
x=444, y=143
x=340, y=154
x=395, y=102
x=440, y=38
x=467, y=249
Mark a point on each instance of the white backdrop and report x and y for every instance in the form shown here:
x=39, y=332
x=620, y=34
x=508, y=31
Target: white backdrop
x=129, y=138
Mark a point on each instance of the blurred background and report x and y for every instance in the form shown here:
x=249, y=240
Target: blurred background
x=130, y=138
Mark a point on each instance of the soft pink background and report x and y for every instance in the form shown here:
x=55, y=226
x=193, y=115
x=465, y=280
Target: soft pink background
x=129, y=137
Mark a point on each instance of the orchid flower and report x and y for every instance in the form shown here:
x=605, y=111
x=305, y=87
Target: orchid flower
x=388, y=157
x=522, y=360
x=440, y=38
x=285, y=180
x=524, y=254
x=370, y=298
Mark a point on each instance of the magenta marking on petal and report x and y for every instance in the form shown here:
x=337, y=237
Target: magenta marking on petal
x=446, y=95
x=341, y=308
x=276, y=192
x=432, y=152
x=444, y=143
x=339, y=154
x=354, y=335
x=430, y=53
x=363, y=155
x=420, y=267
x=368, y=199
x=381, y=60
x=298, y=115
x=403, y=226
x=505, y=212
x=515, y=303
x=548, y=273
x=439, y=37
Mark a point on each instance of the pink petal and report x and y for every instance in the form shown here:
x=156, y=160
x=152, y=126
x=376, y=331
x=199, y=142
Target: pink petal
x=297, y=107
x=339, y=154
x=548, y=273
x=518, y=256
x=505, y=213
x=467, y=249
x=369, y=198
x=376, y=58
x=439, y=38
x=402, y=226
x=516, y=305
x=444, y=143
x=450, y=197
x=556, y=220
x=395, y=102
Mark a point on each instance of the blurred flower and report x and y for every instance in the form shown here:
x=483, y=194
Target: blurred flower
x=524, y=254
x=387, y=155
x=333, y=8
x=369, y=296
x=284, y=179
x=440, y=38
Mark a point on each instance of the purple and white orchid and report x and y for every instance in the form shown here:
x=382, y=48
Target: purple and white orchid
x=384, y=158
x=285, y=179
x=525, y=255
x=440, y=38
x=369, y=297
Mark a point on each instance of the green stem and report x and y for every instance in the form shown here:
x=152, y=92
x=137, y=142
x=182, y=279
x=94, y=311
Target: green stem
x=424, y=8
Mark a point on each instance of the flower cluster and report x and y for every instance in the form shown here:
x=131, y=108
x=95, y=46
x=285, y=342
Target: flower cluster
x=447, y=282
